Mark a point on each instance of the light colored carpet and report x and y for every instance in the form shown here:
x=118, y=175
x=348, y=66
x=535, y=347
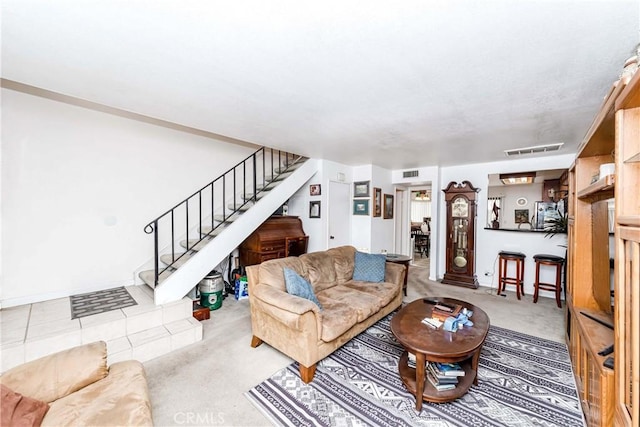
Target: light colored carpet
x=203, y=384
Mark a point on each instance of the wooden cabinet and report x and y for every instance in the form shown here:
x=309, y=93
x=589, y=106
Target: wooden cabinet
x=608, y=396
x=627, y=256
x=277, y=237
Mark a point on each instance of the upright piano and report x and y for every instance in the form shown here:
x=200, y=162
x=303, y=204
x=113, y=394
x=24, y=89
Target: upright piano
x=277, y=237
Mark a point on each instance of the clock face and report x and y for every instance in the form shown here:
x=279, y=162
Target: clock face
x=460, y=208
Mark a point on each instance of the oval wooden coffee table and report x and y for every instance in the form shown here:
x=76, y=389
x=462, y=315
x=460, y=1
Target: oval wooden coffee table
x=438, y=345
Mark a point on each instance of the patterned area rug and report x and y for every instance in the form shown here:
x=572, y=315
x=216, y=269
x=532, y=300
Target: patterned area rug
x=523, y=381
x=100, y=302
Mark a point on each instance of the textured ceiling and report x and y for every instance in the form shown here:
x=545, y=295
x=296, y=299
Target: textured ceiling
x=397, y=84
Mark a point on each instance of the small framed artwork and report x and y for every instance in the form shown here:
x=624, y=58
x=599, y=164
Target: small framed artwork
x=388, y=206
x=522, y=216
x=314, y=190
x=314, y=209
x=361, y=207
x=361, y=189
x=377, y=201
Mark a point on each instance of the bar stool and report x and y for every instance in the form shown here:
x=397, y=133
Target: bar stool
x=552, y=261
x=518, y=280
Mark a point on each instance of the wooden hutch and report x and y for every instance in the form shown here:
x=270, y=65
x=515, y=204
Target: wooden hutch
x=608, y=396
x=277, y=237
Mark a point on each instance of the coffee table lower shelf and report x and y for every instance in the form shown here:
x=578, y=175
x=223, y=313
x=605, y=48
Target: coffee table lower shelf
x=430, y=394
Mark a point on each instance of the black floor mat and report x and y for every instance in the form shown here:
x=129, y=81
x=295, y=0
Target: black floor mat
x=100, y=302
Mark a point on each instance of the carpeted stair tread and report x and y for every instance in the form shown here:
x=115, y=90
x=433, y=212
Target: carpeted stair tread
x=249, y=196
x=228, y=218
x=240, y=206
x=148, y=277
x=206, y=229
x=167, y=259
x=194, y=245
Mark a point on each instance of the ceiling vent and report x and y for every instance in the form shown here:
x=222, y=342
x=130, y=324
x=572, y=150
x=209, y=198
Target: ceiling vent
x=410, y=174
x=533, y=150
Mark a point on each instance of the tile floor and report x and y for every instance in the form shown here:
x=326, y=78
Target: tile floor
x=141, y=332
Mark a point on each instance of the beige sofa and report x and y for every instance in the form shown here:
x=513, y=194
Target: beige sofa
x=80, y=389
x=296, y=326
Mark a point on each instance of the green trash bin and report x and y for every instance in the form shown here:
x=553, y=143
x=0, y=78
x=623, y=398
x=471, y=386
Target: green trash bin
x=211, y=288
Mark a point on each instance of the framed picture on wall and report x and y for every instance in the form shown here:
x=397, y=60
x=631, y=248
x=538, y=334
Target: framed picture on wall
x=314, y=209
x=314, y=190
x=388, y=206
x=522, y=216
x=361, y=207
x=361, y=189
x=377, y=201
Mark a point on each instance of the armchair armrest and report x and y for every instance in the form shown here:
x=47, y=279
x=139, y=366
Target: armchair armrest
x=57, y=375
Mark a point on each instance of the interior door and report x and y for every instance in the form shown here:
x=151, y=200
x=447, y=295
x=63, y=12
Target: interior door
x=339, y=214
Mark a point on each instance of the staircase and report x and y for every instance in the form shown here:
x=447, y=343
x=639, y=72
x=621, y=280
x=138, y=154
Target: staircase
x=217, y=218
x=213, y=222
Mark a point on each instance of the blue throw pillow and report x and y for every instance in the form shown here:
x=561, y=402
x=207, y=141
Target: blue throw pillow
x=369, y=267
x=296, y=285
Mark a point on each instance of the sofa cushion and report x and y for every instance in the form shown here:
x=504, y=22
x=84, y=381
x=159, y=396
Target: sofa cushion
x=363, y=303
x=369, y=267
x=337, y=318
x=272, y=274
x=19, y=410
x=320, y=268
x=343, y=258
x=383, y=291
x=298, y=286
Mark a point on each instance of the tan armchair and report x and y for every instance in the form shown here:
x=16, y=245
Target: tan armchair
x=81, y=390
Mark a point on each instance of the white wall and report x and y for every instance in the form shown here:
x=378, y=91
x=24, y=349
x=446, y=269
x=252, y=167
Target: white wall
x=382, y=230
x=490, y=242
x=369, y=233
x=318, y=228
x=79, y=185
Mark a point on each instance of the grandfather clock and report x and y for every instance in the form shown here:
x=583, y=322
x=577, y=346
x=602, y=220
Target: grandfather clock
x=461, y=233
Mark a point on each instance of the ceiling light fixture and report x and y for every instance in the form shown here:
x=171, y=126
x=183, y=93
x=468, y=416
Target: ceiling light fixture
x=517, y=178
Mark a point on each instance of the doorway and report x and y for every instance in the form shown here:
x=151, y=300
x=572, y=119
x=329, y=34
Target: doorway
x=420, y=221
x=339, y=214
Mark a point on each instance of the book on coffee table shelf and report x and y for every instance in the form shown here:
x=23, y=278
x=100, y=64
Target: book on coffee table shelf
x=411, y=361
x=440, y=385
x=448, y=369
x=443, y=379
